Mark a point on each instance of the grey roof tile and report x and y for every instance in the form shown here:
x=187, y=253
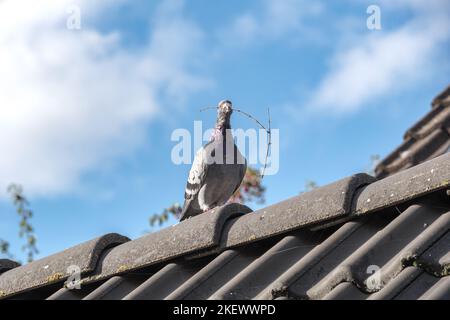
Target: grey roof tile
x=166, y=280
x=7, y=264
x=197, y=233
x=345, y=291
x=253, y=279
x=54, y=268
x=439, y=291
x=349, y=252
x=397, y=285
x=66, y=294
x=323, y=204
x=212, y=276
x=405, y=185
x=218, y=273
x=387, y=250
x=418, y=287
x=436, y=118
x=442, y=99
x=436, y=259
x=115, y=288
x=322, y=259
x=432, y=145
x=427, y=139
x=410, y=254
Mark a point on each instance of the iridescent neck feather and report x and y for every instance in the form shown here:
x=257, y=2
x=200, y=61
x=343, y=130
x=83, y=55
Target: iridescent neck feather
x=222, y=124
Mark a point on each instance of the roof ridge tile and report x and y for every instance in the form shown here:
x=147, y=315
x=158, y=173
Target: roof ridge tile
x=405, y=185
x=444, y=96
x=55, y=268
x=329, y=202
x=7, y=264
x=198, y=233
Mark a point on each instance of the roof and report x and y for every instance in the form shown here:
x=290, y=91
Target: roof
x=357, y=238
x=428, y=138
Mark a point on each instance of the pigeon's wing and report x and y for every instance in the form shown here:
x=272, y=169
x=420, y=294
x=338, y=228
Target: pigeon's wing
x=243, y=170
x=197, y=174
x=196, y=179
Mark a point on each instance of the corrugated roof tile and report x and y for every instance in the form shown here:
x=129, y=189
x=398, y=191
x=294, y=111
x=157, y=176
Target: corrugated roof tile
x=345, y=291
x=437, y=258
x=439, y=291
x=418, y=287
x=397, y=285
x=322, y=259
x=218, y=272
x=253, y=279
x=166, y=280
x=116, y=288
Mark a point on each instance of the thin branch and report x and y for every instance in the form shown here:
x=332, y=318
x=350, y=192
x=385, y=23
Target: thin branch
x=251, y=117
x=269, y=135
x=207, y=108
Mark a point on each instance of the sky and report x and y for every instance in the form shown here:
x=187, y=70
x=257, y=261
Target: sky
x=88, y=105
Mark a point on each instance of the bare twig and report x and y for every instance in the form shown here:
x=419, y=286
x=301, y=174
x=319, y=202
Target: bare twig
x=269, y=143
x=251, y=117
x=207, y=108
x=269, y=135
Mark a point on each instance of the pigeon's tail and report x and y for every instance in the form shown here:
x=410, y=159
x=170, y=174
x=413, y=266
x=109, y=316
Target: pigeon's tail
x=188, y=211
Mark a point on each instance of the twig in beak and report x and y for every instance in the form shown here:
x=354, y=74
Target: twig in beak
x=268, y=131
x=269, y=143
x=208, y=108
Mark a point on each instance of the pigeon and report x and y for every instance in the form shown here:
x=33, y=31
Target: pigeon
x=218, y=168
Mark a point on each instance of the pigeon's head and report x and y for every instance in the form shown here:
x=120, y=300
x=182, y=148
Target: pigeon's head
x=225, y=107
x=224, y=111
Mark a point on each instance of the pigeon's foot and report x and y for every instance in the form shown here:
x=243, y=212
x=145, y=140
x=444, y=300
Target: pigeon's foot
x=206, y=208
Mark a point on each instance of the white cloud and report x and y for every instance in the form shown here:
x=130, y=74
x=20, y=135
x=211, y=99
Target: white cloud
x=71, y=100
x=382, y=62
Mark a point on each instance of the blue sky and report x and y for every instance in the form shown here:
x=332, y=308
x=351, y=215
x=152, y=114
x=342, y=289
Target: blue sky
x=86, y=115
